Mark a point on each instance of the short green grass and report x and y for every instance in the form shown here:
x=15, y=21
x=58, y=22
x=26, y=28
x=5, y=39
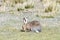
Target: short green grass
x=9, y=33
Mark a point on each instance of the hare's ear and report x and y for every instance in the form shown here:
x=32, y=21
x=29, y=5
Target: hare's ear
x=25, y=20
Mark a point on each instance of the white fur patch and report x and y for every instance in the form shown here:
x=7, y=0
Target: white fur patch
x=37, y=31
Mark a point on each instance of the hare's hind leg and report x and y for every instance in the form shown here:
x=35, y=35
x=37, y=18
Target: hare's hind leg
x=36, y=29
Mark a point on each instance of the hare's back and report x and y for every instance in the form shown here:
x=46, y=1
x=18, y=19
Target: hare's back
x=34, y=23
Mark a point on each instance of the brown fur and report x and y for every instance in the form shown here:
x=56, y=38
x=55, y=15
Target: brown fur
x=29, y=25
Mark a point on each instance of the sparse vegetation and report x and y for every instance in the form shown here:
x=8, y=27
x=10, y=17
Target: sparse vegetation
x=58, y=1
x=29, y=6
x=19, y=9
x=18, y=1
x=49, y=9
x=47, y=16
x=37, y=15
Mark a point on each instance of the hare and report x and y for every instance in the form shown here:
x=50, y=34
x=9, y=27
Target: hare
x=33, y=26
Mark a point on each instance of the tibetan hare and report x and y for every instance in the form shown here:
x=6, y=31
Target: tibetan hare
x=33, y=26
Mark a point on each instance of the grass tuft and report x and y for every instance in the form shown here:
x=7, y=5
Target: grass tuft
x=29, y=6
x=47, y=16
x=49, y=9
